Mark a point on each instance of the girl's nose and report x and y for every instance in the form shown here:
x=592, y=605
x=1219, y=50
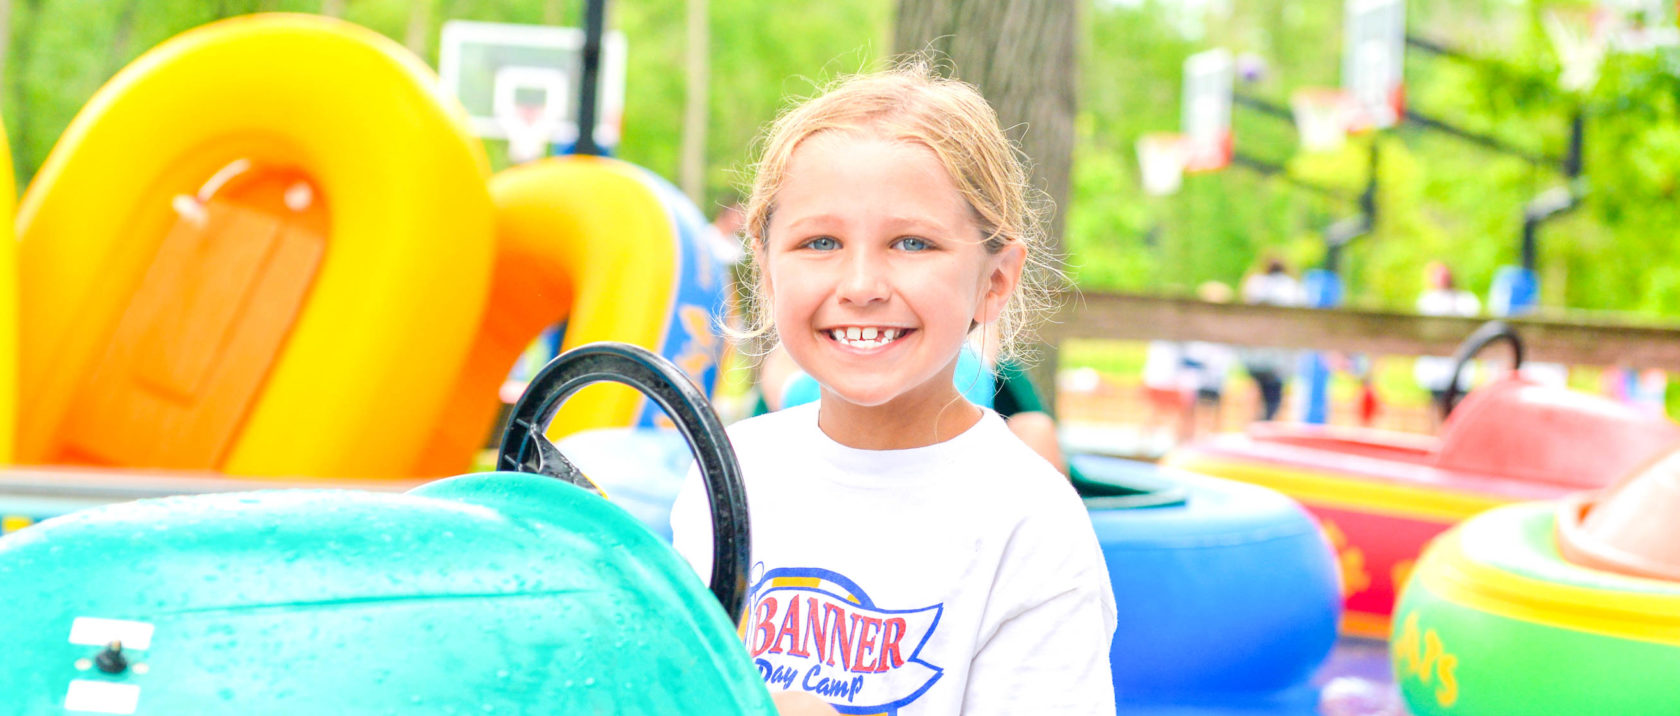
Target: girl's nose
x=864, y=282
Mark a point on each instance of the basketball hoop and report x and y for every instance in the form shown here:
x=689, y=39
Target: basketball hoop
x=546, y=66
x=1373, y=63
x=1161, y=159
x=1640, y=26
x=530, y=106
x=1322, y=117
x=1205, y=114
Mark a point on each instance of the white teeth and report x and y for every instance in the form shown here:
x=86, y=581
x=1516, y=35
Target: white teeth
x=870, y=337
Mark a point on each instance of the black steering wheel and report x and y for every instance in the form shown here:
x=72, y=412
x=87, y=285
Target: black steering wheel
x=1483, y=337
x=525, y=448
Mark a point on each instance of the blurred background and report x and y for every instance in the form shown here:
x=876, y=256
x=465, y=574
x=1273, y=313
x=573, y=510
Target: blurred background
x=704, y=77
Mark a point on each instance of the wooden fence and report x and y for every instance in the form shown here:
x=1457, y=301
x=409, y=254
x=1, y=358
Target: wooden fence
x=1569, y=339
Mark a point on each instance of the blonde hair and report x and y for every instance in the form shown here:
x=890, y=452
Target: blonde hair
x=911, y=102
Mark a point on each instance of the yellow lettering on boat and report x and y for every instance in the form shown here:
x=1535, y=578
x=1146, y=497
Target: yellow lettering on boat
x=1401, y=572
x=1425, y=657
x=1351, y=559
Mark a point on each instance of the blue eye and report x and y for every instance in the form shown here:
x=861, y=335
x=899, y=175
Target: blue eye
x=822, y=243
x=911, y=243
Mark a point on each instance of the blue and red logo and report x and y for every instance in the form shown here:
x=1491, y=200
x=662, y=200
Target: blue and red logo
x=817, y=631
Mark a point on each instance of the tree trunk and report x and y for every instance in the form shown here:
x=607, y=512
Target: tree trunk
x=419, y=27
x=117, y=54
x=24, y=158
x=554, y=12
x=1023, y=55
x=693, y=171
x=5, y=33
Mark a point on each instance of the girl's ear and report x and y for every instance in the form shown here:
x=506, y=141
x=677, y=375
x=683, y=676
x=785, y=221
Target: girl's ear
x=1004, y=275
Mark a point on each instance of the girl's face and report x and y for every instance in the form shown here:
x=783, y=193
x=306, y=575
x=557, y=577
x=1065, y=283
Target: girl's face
x=875, y=269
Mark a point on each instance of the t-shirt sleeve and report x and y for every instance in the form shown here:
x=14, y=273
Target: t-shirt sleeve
x=691, y=525
x=1049, y=650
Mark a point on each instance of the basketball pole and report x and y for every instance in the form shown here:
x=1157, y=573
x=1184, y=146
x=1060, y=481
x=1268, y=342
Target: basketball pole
x=1516, y=289
x=594, y=20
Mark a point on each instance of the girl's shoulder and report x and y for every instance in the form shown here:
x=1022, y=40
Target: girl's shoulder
x=1002, y=469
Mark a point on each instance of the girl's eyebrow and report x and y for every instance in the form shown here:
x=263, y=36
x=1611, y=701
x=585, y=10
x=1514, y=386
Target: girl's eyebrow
x=817, y=219
x=897, y=223
x=915, y=224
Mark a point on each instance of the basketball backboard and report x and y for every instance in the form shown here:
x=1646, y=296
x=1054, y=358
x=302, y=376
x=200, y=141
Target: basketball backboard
x=1206, y=120
x=1641, y=25
x=514, y=79
x=1373, y=61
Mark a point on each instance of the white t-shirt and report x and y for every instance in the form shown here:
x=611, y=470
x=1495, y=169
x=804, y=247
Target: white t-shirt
x=962, y=577
x=1276, y=289
x=1163, y=367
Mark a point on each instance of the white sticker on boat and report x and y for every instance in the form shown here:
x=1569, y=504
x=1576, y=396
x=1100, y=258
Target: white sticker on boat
x=93, y=631
x=102, y=697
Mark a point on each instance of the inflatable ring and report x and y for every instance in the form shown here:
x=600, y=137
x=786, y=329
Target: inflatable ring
x=618, y=254
x=8, y=308
x=1495, y=621
x=492, y=592
x=1228, y=593
x=329, y=346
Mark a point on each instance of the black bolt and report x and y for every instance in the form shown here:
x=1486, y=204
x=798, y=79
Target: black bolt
x=111, y=660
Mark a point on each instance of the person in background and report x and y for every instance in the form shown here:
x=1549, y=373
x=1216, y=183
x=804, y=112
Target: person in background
x=1209, y=363
x=1442, y=297
x=1268, y=365
x=1169, y=388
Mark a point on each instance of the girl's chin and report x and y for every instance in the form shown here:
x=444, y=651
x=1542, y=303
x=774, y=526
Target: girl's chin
x=880, y=397
x=858, y=399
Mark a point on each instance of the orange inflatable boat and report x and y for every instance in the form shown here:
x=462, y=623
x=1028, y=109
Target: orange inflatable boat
x=1382, y=496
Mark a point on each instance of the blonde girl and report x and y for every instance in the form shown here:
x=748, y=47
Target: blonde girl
x=910, y=555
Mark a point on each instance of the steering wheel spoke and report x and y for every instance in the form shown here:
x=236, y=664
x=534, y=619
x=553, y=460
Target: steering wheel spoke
x=546, y=459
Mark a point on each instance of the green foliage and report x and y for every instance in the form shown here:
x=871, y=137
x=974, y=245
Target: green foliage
x=761, y=54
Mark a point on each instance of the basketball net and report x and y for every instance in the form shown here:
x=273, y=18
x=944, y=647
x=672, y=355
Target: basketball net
x=1322, y=117
x=1161, y=160
x=1580, y=40
x=529, y=105
x=529, y=129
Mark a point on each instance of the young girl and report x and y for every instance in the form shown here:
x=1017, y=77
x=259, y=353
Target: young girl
x=909, y=554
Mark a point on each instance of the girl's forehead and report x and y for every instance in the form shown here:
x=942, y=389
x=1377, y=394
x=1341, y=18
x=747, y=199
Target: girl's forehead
x=885, y=156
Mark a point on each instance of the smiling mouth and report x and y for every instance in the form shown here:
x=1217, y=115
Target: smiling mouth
x=866, y=337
